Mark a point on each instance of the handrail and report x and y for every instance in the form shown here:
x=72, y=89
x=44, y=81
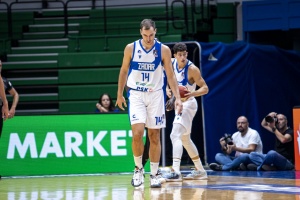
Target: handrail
x=107, y=36
x=201, y=12
x=8, y=17
x=66, y=5
x=35, y=1
x=5, y=40
x=185, y=25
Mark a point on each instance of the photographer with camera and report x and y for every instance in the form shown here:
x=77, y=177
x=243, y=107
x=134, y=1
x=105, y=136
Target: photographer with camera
x=282, y=158
x=243, y=142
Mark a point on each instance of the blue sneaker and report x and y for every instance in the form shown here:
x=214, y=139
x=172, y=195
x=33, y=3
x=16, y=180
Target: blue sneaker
x=172, y=177
x=196, y=175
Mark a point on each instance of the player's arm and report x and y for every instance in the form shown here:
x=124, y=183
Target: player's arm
x=195, y=74
x=166, y=58
x=13, y=107
x=123, y=76
x=5, y=112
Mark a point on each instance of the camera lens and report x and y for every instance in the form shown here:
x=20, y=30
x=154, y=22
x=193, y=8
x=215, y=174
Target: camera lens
x=269, y=119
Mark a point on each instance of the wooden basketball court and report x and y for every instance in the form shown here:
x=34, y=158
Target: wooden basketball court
x=237, y=185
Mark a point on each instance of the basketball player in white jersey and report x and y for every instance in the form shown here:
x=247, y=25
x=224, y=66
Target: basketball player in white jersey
x=187, y=74
x=142, y=72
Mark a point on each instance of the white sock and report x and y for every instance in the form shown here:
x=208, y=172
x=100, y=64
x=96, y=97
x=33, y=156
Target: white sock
x=154, y=168
x=198, y=165
x=138, y=161
x=176, y=165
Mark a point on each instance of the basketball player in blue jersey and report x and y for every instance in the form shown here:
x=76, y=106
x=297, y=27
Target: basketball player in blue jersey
x=5, y=112
x=187, y=74
x=142, y=72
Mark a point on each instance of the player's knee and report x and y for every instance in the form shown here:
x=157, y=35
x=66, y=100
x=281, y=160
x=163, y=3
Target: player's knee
x=154, y=138
x=177, y=132
x=174, y=136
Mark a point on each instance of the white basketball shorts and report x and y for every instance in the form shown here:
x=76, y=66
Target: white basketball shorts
x=147, y=108
x=189, y=110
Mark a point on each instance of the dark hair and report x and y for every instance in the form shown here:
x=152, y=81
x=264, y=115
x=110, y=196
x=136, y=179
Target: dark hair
x=178, y=47
x=111, y=105
x=147, y=24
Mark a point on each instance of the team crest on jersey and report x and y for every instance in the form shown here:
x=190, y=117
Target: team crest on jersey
x=139, y=52
x=182, y=74
x=155, y=53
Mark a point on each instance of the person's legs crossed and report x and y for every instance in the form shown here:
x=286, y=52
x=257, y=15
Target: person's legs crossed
x=235, y=163
x=276, y=160
x=223, y=159
x=257, y=158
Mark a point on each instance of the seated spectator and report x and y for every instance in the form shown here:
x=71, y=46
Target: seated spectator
x=244, y=141
x=105, y=104
x=282, y=158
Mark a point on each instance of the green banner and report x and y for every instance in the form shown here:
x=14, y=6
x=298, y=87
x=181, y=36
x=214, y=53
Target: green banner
x=66, y=144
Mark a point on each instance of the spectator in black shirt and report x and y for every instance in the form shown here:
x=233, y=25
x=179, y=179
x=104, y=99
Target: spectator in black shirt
x=3, y=97
x=282, y=158
x=8, y=87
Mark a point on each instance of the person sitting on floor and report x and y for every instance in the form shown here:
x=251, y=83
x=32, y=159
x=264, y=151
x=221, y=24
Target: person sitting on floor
x=282, y=158
x=244, y=141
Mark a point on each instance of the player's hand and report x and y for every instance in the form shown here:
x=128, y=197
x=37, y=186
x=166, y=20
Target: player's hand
x=5, y=113
x=179, y=106
x=188, y=94
x=11, y=113
x=120, y=101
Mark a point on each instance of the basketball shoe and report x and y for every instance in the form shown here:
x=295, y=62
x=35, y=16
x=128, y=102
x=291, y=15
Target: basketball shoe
x=138, y=177
x=196, y=175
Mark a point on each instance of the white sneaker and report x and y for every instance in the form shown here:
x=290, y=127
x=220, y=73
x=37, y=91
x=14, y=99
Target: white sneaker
x=196, y=175
x=160, y=176
x=138, y=177
x=154, y=182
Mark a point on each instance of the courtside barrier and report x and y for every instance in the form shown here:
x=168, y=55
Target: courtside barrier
x=66, y=144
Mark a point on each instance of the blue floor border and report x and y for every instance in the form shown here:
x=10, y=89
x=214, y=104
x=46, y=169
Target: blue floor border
x=258, y=174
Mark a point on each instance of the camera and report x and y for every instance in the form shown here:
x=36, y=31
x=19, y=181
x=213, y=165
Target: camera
x=271, y=119
x=228, y=139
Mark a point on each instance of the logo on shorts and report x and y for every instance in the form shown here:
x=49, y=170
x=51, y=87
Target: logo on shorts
x=178, y=116
x=134, y=118
x=160, y=120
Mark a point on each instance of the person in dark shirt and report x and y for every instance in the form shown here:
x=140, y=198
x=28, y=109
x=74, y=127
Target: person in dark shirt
x=282, y=157
x=105, y=104
x=9, y=89
x=5, y=113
